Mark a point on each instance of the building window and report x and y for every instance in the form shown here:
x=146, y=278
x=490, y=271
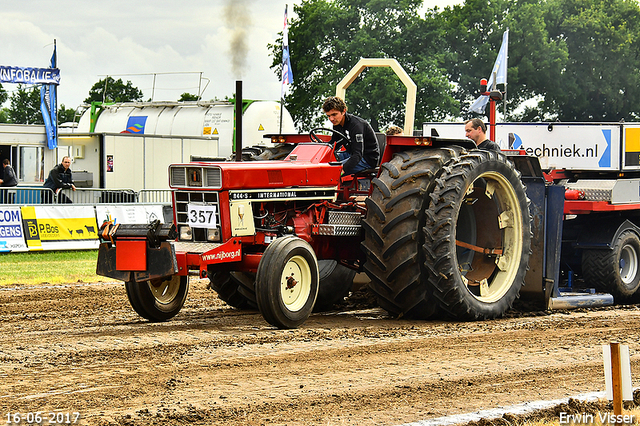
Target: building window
x=31, y=168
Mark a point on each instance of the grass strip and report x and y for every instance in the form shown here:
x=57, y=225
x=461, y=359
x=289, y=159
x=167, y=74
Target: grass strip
x=49, y=267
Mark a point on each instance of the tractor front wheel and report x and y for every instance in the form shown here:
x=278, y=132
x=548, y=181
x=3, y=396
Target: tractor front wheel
x=287, y=282
x=158, y=299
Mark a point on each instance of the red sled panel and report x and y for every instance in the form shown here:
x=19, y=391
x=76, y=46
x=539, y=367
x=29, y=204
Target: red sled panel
x=131, y=255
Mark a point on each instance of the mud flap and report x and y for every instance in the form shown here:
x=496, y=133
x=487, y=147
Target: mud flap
x=106, y=266
x=161, y=262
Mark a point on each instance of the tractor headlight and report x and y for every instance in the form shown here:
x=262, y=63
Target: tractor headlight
x=213, y=234
x=185, y=233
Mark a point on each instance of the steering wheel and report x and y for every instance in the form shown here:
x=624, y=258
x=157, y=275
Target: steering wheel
x=342, y=138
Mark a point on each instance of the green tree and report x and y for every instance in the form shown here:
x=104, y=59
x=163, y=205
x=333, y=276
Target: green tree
x=111, y=90
x=188, y=97
x=473, y=36
x=24, y=106
x=329, y=37
x=600, y=80
x=3, y=95
x=574, y=60
x=65, y=115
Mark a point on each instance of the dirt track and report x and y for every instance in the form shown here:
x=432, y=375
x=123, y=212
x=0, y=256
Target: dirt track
x=81, y=348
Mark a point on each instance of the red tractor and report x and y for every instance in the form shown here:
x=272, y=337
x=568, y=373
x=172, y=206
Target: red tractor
x=440, y=227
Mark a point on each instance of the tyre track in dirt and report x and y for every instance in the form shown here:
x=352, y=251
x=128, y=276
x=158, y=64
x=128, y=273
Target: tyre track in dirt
x=82, y=348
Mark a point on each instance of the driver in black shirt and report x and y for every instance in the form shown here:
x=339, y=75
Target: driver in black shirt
x=362, y=146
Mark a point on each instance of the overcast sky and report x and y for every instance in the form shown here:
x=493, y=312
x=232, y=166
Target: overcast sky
x=175, y=40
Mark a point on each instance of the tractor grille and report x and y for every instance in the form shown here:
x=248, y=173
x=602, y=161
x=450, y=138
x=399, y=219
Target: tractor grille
x=184, y=198
x=196, y=176
x=213, y=178
x=178, y=176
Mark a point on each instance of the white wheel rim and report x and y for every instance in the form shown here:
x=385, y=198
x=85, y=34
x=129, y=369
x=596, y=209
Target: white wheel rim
x=165, y=291
x=510, y=215
x=295, y=283
x=628, y=264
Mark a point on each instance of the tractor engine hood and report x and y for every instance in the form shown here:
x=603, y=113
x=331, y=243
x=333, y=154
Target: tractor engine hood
x=254, y=175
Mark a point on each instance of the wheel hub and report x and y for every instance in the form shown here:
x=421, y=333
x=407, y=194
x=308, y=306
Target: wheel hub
x=291, y=282
x=628, y=262
x=295, y=283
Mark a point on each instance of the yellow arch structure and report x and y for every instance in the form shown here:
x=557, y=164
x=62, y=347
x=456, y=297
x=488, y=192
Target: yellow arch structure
x=412, y=89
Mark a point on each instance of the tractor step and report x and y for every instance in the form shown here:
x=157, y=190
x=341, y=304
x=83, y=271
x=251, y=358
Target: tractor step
x=339, y=230
x=344, y=218
x=341, y=224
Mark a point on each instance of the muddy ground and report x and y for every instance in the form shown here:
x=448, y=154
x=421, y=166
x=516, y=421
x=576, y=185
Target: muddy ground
x=80, y=348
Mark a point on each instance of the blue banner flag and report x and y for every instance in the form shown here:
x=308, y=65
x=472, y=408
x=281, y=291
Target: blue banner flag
x=29, y=75
x=287, y=74
x=499, y=71
x=46, y=109
x=49, y=105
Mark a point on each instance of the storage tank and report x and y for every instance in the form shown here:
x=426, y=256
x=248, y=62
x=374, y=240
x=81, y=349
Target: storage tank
x=204, y=119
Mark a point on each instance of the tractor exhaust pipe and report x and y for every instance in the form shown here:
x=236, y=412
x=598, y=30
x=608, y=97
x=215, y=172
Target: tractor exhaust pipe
x=239, y=120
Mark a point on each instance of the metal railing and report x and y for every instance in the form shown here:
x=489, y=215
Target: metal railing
x=155, y=196
x=23, y=195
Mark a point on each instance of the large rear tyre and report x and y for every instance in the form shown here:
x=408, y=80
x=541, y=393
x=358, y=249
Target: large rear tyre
x=478, y=236
x=287, y=282
x=616, y=271
x=246, y=286
x=228, y=287
x=393, y=231
x=159, y=299
x=336, y=281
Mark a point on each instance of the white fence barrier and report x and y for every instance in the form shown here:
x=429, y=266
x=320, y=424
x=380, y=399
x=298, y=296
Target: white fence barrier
x=27, y=195
x=36, y=218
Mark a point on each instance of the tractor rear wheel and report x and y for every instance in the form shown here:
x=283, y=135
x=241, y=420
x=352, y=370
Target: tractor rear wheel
x=246, y=286
x=478, y=236
x=158, y=299
x=616, y=271
x=393, y=230
x=227, y=285
x=287, y=282
x=336, y=281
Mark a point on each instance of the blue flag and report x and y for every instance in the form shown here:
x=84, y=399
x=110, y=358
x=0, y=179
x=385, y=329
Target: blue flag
x=500, y=72
x=287, y=74
x=49, y=106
